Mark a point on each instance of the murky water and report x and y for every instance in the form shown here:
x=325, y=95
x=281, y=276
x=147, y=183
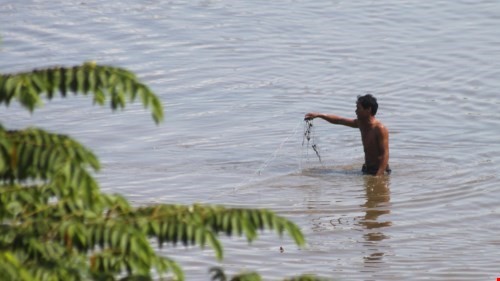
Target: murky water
x=236, y=78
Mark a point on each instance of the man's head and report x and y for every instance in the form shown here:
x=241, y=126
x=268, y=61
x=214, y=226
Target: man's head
x=368, y=102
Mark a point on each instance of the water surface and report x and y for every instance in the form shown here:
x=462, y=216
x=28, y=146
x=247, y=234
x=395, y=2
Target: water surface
x=237, y=77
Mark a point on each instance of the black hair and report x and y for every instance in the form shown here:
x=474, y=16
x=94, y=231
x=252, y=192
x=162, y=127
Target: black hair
x=368, y=101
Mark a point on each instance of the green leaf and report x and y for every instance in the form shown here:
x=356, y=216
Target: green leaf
x=14, y=208
x=215, y=244
x=62, y=81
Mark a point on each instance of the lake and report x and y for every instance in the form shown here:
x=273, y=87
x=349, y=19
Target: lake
x=236, y=78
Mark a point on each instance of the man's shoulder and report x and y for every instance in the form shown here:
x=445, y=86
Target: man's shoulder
x=381, y=128
x=380, y=125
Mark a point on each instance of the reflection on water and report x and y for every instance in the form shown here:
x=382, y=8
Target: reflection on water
x=377, y=204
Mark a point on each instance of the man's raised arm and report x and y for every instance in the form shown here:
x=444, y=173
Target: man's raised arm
x=334, y=119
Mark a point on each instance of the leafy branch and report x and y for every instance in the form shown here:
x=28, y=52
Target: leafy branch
x=102, y=81
x=218, y=274
x=36, y=154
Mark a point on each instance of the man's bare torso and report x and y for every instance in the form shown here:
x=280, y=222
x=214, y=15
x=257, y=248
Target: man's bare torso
x=372, y=135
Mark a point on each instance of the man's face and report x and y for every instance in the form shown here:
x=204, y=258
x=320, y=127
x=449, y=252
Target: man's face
x=362, y=112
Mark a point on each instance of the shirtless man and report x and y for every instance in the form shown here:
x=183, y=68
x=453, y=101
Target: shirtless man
x=374, y=134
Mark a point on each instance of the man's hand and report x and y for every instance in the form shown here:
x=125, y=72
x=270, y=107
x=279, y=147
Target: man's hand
x=310, y=116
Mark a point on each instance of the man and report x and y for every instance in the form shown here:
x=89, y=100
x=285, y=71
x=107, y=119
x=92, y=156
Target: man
x=374, y=134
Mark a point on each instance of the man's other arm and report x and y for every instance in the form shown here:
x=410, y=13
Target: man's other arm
x=383, y=142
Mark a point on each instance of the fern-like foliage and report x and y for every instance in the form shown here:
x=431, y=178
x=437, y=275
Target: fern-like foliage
x=37, y=166
x=218, y=274
x=56, y=224
x=36, y=154
x=116, y=83
x=199, y=225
